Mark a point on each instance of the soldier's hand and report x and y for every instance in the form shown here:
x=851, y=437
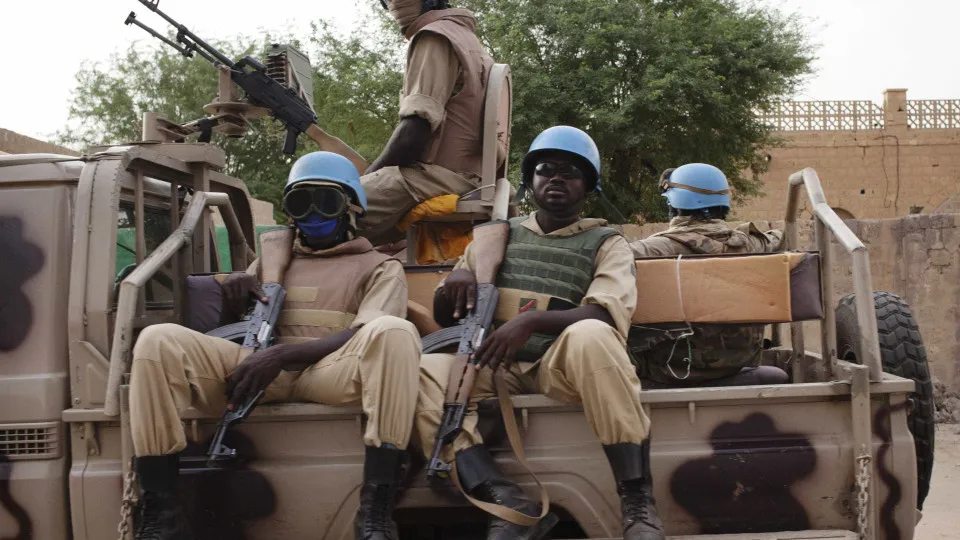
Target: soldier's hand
x=460, y=288
x=254, y=374
x=237, y=289
x=501, y=347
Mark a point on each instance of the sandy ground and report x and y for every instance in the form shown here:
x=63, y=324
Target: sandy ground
x=941, y=511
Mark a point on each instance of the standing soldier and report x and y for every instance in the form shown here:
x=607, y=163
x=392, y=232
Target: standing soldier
x=437, y=147
x=575, y=355
x=698, y=196
x=342, y=338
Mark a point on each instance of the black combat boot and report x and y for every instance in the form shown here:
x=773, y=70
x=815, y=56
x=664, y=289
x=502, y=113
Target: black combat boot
x=161, y=514
x=483, y=480
x=631, y=468
x=381, y=477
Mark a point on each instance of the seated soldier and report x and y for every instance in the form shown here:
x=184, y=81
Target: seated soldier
x=575, y=355
x=437, y=147
x=698, y=196
x=342, y=339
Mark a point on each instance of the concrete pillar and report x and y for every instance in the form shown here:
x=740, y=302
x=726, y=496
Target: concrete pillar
x=895, y=108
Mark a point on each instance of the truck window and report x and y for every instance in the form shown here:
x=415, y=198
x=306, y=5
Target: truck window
x=156, y=224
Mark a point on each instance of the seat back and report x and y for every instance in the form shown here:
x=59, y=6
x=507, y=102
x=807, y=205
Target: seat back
x=497, y=123
x=477, y=206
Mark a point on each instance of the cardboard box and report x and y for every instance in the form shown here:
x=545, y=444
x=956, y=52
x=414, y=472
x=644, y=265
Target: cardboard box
x=767, y=288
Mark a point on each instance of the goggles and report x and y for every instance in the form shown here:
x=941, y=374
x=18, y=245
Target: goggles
x=548, y=169
x=326, y=201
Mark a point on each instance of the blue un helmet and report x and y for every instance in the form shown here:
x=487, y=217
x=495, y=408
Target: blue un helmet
x=695, y=186
x=566, y=139
x=328, y=167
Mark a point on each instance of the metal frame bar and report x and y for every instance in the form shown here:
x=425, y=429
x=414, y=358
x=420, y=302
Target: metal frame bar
x=827, y=225
x=862, y=280
x=500, y=78
x=130, y=288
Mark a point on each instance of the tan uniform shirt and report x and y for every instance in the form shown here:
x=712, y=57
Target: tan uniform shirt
x=430, y=79
x=745, y=238
x=384, y=293
x=614, y=285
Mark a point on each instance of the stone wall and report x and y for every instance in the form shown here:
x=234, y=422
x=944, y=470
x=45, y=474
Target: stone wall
x=915, y=257
x=903, y=158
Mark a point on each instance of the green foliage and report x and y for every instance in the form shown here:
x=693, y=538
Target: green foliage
x=657, y=83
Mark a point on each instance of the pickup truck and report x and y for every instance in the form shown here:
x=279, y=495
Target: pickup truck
x=842, y=451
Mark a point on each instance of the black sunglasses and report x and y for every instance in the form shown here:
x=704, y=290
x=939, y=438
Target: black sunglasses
x=548, y=169
x=327, y=201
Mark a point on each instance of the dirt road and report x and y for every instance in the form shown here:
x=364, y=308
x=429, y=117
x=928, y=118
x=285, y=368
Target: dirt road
x=940, y=511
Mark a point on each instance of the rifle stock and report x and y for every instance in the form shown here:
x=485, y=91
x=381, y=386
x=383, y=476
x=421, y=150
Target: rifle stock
x=329, y=143
x=489, y=247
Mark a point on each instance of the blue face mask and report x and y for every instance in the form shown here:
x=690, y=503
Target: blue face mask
x=318, y=226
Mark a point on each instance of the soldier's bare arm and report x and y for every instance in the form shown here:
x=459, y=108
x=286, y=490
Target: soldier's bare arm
x=405, y=146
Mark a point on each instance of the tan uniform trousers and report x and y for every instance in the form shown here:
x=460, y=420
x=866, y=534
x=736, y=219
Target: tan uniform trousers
x=394, y=191
x=587, y=364
x=175, y=368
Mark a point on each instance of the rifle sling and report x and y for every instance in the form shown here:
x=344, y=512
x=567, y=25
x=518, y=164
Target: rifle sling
x=513, y=435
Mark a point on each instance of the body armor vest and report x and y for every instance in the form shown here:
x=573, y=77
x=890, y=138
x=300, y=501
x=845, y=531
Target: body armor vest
x=457, y=144
x=325, y=289
x=546, y=272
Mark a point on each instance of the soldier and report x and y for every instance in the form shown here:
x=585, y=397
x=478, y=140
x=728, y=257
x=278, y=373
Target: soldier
x=342, y=338
x=576, y=355
x=436, y=149
x=698, y=196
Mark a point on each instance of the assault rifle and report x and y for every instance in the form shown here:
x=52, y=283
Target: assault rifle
x=283, y=90
x=259, y=336
x=490, y=242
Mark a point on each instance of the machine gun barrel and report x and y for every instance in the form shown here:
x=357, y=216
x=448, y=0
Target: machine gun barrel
x=183, y=32
x=132, y=19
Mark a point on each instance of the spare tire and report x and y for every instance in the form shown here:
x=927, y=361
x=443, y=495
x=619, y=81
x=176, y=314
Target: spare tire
x=902, y=354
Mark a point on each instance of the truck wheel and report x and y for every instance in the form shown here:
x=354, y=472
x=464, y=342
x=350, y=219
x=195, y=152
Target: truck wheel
x=902, y=354
x=232, y=332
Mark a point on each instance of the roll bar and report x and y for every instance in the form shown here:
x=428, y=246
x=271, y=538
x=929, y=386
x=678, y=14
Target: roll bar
x=827, y=225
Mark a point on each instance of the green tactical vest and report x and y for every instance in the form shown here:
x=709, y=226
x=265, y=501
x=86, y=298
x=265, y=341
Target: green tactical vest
x=557, y=266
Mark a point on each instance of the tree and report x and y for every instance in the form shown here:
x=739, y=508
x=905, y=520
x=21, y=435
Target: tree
x=657, y=83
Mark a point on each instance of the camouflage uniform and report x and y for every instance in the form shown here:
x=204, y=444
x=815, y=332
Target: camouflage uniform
x=714, y=350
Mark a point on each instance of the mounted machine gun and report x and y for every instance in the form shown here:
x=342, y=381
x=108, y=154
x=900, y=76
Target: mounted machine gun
x=282, y=88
